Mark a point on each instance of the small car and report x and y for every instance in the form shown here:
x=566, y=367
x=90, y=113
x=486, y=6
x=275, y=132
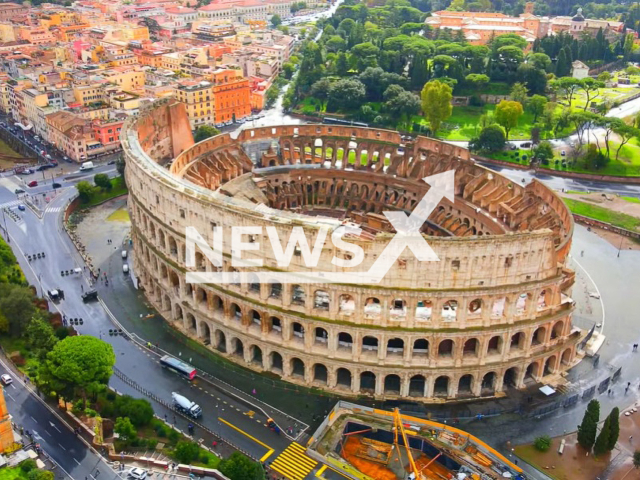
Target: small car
x=18, y=191
x=137, y=473
x=21, y=208
x=26, y=171
x=33, y=183
x=125, y=268
x=90, y=295
x=56, y=185
x=6, y=379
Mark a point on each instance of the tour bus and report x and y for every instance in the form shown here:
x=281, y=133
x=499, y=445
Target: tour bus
x=178, y=366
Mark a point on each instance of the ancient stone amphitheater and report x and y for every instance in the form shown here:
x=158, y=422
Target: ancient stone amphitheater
x=494, y=313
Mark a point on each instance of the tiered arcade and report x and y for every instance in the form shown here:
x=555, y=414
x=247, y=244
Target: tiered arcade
x=495, y=311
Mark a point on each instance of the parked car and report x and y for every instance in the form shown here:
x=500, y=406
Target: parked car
x=18, y=191
x=33, y=183
x=26, y=171
x=137, y=473
x=6, y=379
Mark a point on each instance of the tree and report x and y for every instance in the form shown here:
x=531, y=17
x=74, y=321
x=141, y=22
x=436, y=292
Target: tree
x=491, y=139
x=85, y=191
x=288, y=68
x=605, y=76
x=563, y=65
x=347, y=93
x=320, y=90
x=518, y=93
x=41, y=474
x=602, y=442
x=543, y=152
x=636, y=459
x=239, y=467
x=591, y=88
x=614, y=428
x=102, y=181
x=403, y=105
x=625, y=133
x=335, y=44
x=342, y=64
x=276, y=20
x=186, y=452
x=540, y=61
x=120, y=166
x=40, y=336
x=436, y=103
x=542, y=443
x=138, y=410
x=16, y=306
x=507, y=114
x=536, y=106
x=566, y=87
x=627, y=49
x=205, y=131
x=78, y=364
x=477, y=80
x=125, y=429
x=589, y=426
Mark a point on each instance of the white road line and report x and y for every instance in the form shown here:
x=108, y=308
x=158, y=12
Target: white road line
x=76, y=461
x=8, y=395
x=47, y=432
x=33, y=419
x=62, y=447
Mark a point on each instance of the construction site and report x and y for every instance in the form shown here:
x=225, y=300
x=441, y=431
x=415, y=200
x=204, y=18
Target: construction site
x=366, y=443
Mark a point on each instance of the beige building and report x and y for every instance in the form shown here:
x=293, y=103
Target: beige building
x=70, y=134
x=197, y=98
x=88, y=94
x=493, y=314
x=7, y=33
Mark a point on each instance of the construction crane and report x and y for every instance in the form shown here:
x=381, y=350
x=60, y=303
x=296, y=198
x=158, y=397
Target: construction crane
x=399, y=427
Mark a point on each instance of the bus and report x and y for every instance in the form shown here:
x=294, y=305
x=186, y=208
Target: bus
x=178, y=366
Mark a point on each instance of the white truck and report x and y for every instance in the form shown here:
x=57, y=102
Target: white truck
x=86, y=166
x=184, y=405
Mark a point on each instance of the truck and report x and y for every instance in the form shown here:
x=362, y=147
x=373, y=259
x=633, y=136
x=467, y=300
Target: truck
x=86, y=166
x=184, y=405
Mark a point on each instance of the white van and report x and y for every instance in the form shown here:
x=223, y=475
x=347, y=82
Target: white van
x=124, y=254
x=86, y=166
x=125, y=268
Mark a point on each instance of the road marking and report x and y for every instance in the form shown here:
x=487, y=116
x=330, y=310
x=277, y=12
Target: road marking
x=320, y=470
x=53, y=425
x=47, y=432
x=62, y=447
x=266, y=455
x=293, y=463
x=8, y=395
x=77, y=461
x=33, y=419
x=250, y=413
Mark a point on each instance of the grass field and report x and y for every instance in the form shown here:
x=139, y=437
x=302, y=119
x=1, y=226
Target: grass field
x=7, y=150
x=603, y=214
x=120, y=215
x=118, y=188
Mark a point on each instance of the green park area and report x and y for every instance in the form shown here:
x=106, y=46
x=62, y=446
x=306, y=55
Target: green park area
x=101, y=190
x=603, y=214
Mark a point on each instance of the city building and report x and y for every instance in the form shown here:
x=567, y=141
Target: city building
x=9, y=11
x=231, y=96
x=70, y=133
x=493, y=314
x=579, y=70
x=107, y=133
x=197, y=98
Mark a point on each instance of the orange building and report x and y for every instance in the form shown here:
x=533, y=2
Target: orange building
x=231, y=95
x=107, y=133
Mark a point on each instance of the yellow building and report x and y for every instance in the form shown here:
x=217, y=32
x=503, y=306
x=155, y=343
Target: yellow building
x=87, y=94
x=34, y=102
x=126, y=80
x=4, y=98
x=171, y=61
x=36, y=35
x=125, y=101
x=50, y=20
x=198, y=99
x=7, y=33
x=135, y=32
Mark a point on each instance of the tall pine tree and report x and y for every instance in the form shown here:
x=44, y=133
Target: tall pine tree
x=614, y=433
x=589, y=427
x=562, y=66
x=418, y=74
x=602, y=443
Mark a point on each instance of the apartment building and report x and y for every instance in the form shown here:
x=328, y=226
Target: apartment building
x=88, y=94
x=231, y=95
x=9, y=11
x=36, y=35
x=198, y=100
x=7, y=33
x=107, y=132
x=34, y=103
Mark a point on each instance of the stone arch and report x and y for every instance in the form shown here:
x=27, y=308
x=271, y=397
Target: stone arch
x=465, y=385
x=494, y=347
x=517, y=341
x=236, y=312
x=253, y=282
x=441, y=386
x=344, y=378
x=256, y=318
x=298, y=297
x=201, y=297
x=191, y=323
x=321, y=336
x=370, y=343
x=345, y=341
x=544, y=299
x=538, y=336
x=173, y=246
x=321, y=300
x=471, y=348
x=510, y=377
x=221, y=341
x=275, y=290
x=297, y=330
x=275, y=362
x=522, y=303
x=276, y=325
x=161, y=240
x=557, y=329
x=178, y=313
x=201, y=263
x=255, y=353
x=475, y=307
x=398, y=309
x=424, y=310
x=368, y=382
x=566, y=356
x=392, y=384
x=488, y=386
x=347, y=305
x=450, y=310
x=532, y=372
x=395, y=346
x=446, y=348
x=205, y=332
x=372, y=308
x=550, y=365
x=420, y=348
x=237, y=347
x=297, y=367
x=498, y=307
x=320, y=374
x=417, y=384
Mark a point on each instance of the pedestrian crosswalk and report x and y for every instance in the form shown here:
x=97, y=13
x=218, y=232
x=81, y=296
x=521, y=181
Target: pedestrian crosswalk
x=293, y=463
x=53, y=209
x=12, y=204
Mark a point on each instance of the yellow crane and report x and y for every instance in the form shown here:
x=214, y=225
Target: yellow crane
x=399, y=428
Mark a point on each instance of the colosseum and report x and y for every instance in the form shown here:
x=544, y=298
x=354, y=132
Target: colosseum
x=493, y=313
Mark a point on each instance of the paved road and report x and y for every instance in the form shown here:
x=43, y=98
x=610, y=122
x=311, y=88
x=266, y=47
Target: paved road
x=73, y=456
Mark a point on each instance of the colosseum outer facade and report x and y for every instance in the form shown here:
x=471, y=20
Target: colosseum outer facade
x=494, y=312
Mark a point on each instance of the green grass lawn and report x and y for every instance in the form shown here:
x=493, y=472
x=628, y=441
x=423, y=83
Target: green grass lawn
x=603, y=214
x=630, y=199
x=7, y=150
x=118, y=188
x=510, y=156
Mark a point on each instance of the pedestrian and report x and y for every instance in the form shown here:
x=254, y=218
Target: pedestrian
x=582, y=253
x=630, y=437
x=81, y=288
x=215, y=444
x=628, y=384
x=609, y=393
